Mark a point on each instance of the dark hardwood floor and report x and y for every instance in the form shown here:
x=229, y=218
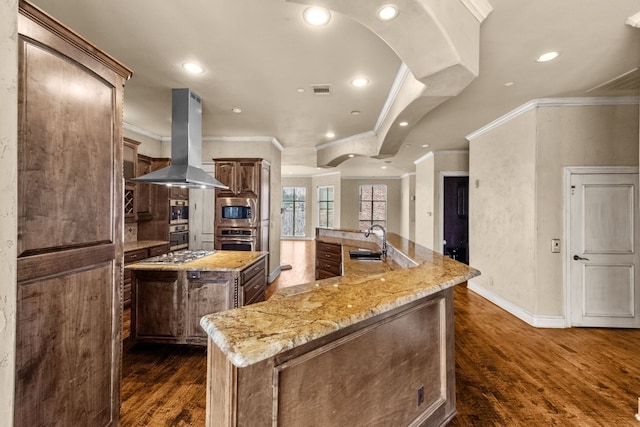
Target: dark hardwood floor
x=507, y=372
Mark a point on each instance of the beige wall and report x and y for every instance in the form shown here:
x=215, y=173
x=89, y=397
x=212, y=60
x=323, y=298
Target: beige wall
x=350, y=193
x=427, y=190
x=502, y=208
x=517, y=206
x=408, y=206
x=8, y=211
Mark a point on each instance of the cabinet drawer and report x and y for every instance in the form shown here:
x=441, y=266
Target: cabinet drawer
x=329, y=256
x=328, y=248
x=135, y=256
x=252, y=288
x=254, y=269
x=330, y=266
x=323, y=274
x=158, y=250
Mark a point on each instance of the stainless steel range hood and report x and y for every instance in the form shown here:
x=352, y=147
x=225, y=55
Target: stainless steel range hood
x=186, y=146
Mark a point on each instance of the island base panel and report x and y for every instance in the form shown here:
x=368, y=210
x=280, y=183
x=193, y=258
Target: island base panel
x=396, y=371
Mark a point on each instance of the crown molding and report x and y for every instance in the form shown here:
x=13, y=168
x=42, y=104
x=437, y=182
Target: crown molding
x=554, y=102
x=478, y=8
x=423, y=158
x=401, y=76
x=269, y=139
x=634, y=20
x=143, y=132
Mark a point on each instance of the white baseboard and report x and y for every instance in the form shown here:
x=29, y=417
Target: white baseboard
x=516, y=310
x=274, y=274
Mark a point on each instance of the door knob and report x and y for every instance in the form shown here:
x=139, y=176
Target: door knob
x=579, y=258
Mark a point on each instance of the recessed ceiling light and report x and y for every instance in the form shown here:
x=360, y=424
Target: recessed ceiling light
x=507, y=84
x=387, y=12
x=403, y=123
x=330, y=134
x=354, y=112
x=383, y=167
x=300, y=90
x=192, y=67
x=351, y=156
x=548, y=56
x=425, y=145
x=316, y=16
x=359, y=82
x=236, y=110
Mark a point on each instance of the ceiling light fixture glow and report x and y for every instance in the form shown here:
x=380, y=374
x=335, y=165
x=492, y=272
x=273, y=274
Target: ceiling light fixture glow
x=192, y=67
x=548, y=56
x=330, y=134
x=316, y=16
x=425, y=145
x=359, y=82
x=387, y=12
x=354, y=112
x=403, y=124
x=351, y=156
x=236, y=110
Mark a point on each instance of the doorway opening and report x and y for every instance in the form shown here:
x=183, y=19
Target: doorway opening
x=455, y=215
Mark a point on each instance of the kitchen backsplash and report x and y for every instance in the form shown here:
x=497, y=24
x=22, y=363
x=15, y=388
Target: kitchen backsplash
x=131, y=232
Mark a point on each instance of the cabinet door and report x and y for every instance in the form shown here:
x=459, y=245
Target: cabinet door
x=226, y=174
x=158, y=303
x=209, y=292
x=70, y=236
x=247, y=179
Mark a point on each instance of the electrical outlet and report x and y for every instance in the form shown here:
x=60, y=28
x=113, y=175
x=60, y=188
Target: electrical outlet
x=420, y=395
x=555, y=246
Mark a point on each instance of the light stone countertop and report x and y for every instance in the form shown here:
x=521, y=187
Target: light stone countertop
x=219, y=261
x=296, y=315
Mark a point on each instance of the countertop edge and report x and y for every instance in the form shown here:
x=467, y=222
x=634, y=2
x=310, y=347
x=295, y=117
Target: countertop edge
x=251, y=345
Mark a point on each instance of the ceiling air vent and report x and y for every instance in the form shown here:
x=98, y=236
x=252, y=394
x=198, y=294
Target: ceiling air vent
x=629, y=81
x=321, y=90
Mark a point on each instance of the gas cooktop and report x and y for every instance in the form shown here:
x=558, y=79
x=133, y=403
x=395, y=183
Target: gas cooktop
x=177, y=257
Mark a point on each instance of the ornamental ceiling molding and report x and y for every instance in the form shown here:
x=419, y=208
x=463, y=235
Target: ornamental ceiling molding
x=553, y=102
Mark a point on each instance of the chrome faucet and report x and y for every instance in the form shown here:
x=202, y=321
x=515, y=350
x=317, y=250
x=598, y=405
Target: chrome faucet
x=384, y=237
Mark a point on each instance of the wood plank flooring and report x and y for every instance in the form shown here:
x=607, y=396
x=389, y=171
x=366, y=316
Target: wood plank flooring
x=507, y=372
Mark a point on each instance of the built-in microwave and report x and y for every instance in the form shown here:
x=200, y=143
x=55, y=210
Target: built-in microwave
x=179, y=211
x=236, y=212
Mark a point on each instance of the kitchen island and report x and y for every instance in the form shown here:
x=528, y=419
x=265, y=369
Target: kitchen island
x=374, y=346
x=171, y=292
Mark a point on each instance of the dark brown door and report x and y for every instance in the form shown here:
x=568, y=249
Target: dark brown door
x=69, y=228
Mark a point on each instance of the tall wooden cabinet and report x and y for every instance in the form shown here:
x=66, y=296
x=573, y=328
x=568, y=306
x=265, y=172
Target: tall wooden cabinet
x=70, y=227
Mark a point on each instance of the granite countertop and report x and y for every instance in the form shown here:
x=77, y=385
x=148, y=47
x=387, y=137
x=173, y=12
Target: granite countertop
x=143, y=244
x=299, y=314
x=219, y=261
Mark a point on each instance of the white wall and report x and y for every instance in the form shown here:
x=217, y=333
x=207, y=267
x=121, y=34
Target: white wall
x=350, y=194
x=517, y=207
x=8, y=207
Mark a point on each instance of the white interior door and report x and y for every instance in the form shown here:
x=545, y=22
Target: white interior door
x=603, y=258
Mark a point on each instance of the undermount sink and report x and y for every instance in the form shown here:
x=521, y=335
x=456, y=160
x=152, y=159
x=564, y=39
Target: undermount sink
x=364, y=255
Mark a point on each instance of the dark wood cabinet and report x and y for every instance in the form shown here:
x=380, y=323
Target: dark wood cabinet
x=167, y=305
x=328, y=260
x=153, y=202
x=242, y=176
x=130, y=171
x=254, y=282
x=70, y=227
x=134, y=256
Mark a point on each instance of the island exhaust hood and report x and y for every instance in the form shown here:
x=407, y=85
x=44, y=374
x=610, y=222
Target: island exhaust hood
x=186, y=146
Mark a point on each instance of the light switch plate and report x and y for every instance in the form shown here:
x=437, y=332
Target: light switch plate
x=555, y=246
